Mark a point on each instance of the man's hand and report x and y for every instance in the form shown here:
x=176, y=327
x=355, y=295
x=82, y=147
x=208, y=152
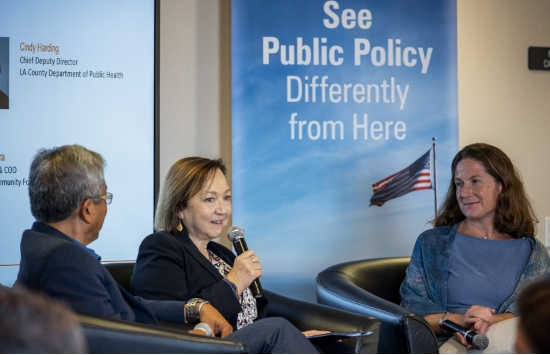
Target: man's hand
x=197, y=332
x=309, y=333
x=215, y=320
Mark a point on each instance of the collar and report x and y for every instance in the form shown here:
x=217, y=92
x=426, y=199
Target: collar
x=188, y=244
x=44, y=228
x=91, y=251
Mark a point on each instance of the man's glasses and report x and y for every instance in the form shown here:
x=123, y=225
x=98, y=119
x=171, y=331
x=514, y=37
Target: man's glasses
x=108, y=198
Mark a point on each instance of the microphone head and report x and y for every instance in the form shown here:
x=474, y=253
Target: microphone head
x=235, y=233
x=480, y=341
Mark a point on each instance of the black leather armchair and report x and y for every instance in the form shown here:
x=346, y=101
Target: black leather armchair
x=304, y=315
x=371, y=287
x=106, y=336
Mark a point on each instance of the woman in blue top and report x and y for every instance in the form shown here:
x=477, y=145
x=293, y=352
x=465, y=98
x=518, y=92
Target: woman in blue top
x=472, y=266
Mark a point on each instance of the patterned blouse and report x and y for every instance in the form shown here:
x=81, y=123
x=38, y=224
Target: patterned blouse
x=247, y=300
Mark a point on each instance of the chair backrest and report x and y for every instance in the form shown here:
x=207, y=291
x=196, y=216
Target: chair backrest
x=121, y=272
x=381, y=277
x=371, y=287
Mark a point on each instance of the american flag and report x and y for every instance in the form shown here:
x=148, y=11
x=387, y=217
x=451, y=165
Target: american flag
x=413, y=178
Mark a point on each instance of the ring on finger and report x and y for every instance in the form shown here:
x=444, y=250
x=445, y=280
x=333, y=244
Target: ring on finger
x=252, y=259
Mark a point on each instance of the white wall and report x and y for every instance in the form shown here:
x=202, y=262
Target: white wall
x=195, y=81
x=500, y=101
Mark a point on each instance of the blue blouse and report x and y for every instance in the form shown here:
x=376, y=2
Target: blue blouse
x=484, y=272
x=424, y=289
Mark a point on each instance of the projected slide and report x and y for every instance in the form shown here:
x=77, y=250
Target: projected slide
x=78, y=72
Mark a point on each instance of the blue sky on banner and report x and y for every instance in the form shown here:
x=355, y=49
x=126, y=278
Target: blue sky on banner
x=295, y=180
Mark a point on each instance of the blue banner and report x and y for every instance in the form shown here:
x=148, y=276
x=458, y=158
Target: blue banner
x=330, y=99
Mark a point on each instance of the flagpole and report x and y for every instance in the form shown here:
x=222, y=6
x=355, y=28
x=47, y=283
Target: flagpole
x=435, y=178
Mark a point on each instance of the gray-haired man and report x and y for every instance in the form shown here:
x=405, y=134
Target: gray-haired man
x=69, y=198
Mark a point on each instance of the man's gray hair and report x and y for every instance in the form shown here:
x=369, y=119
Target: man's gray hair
x=62, y=177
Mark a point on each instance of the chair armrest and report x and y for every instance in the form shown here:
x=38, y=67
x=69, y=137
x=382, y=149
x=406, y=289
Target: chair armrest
x=312, y=316
x=339, y=290
x=120, y=337
x=175, y=326
x=401, y=331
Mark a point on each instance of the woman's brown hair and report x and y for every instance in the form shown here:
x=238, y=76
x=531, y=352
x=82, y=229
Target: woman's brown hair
x=514, y=214
x=184, y=180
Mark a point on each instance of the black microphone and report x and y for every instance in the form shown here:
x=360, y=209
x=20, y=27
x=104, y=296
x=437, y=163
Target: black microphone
x=236, y=235
x=478, y=340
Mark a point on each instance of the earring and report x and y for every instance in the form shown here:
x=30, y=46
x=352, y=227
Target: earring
x=179, y=227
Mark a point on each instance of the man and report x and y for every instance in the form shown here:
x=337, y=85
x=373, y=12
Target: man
x=4, y=100
x=68, y=198
x=35, y=324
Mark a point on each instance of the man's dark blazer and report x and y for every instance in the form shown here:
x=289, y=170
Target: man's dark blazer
x=53, y=263
x=4, y=100
x=171, y=267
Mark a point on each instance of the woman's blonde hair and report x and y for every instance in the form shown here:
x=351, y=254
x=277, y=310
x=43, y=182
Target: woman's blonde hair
x=184, y=180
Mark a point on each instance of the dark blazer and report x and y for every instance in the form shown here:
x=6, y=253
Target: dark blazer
x=4, y=100
x=171, y=267
x=53, y=263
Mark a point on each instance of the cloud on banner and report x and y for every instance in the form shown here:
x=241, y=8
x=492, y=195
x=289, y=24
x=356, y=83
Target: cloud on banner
x=413, y=178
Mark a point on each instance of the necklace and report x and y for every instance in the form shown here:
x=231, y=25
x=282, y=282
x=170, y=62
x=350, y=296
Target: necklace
x=202, y=248
x=490, y=235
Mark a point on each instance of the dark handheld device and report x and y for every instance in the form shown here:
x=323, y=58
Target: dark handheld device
x=479, y=341
x=236, y=235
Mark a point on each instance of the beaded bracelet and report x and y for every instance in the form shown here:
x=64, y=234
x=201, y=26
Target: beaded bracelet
x=233, y=287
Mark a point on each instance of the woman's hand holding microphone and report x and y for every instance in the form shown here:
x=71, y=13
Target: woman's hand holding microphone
x=246, y=269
